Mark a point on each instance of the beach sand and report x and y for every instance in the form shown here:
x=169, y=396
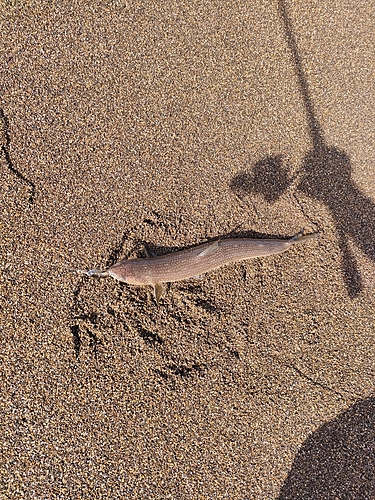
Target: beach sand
x=166, y=124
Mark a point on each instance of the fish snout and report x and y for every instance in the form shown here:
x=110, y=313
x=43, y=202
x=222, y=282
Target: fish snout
x=123, y=272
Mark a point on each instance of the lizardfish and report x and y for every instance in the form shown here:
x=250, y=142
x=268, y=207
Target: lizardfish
x=194, y=261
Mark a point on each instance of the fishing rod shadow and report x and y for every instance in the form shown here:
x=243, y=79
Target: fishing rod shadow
x=325, y=176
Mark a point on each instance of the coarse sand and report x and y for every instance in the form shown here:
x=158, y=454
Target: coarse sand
x=166, y=124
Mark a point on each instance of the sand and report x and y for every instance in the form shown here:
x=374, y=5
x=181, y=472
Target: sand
x=165, y=124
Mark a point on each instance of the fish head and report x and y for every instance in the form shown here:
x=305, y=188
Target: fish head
x=123, y=271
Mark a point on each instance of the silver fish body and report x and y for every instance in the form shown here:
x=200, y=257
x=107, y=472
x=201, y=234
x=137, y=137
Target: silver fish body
x=194, y=261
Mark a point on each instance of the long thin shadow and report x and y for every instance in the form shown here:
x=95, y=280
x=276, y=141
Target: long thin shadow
x=325, y=176
x=337, y=460
x=314, y=126
x=5, y=150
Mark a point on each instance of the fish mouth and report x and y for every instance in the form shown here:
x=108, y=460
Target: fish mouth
x=93, y=272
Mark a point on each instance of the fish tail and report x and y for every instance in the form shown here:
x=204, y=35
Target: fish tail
x=303, y=237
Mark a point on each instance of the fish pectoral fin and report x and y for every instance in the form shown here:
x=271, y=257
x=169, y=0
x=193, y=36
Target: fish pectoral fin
x=210, y=249
x=158, y=292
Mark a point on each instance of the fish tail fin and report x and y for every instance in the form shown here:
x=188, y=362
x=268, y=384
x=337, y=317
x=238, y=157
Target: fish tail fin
x=303, y=237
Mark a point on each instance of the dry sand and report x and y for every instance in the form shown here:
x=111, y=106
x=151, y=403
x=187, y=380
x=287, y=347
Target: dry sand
x=168, y=123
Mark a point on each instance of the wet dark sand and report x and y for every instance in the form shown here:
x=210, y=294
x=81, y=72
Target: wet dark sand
x=169, y=124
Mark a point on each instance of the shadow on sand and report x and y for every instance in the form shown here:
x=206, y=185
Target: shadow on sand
x=337, y=460
x=325, y=176
x=5, y=146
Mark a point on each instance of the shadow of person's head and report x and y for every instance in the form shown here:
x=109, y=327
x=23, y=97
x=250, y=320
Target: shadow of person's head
x=268, y=178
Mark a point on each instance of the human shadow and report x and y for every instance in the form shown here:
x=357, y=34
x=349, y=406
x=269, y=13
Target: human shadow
x=338, y=460
x=325, y=176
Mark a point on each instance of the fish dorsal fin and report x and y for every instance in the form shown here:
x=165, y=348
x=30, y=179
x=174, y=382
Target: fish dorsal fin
x=149, y=254
x=212, y=248
x=158, y=292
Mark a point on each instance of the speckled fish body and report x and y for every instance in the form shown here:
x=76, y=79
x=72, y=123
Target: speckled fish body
x=198, y=260
x=194, y=261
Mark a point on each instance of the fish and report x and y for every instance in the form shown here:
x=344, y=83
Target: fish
x=196, y=261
